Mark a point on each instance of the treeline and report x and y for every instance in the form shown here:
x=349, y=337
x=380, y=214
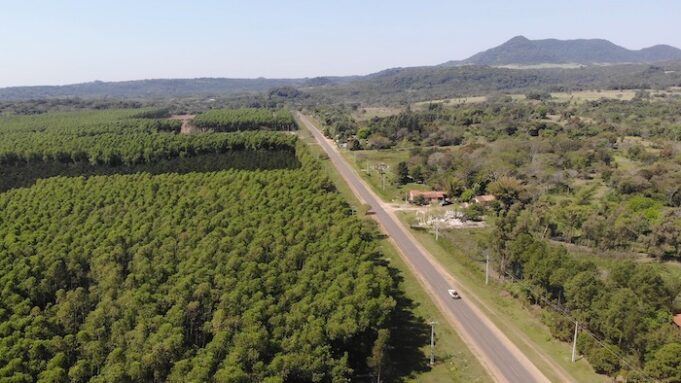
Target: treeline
x=117, y=137
x=131, y=149
x=232, y=276
x=625, y=312
x=400, y=86
x=396, y=86
x=230, y=120
x=86, y=123
x=26, y=174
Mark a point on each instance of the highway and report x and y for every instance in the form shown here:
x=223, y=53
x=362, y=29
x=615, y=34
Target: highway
x=504, y=361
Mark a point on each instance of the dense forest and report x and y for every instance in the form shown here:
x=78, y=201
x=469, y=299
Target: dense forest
x=126, y=141
x=197, y=274
x=229, y=120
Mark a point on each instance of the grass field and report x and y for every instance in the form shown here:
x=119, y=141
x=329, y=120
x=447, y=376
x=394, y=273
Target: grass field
x=576, y=96
x=367, y=113
x=562, y=97
x=367, y=161
x=454, y=362
x=592, y=95
x=451, y=101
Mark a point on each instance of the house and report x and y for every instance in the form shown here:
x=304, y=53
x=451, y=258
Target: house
x=428, y=196
x=487, y=198
x=677, y=320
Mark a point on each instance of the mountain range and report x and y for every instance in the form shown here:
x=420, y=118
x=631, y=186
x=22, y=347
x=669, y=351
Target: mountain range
x=657, y=66
x=523, y=51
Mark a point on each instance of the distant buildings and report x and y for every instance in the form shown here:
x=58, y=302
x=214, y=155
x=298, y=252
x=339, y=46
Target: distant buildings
x=416, y=196
x=677, y=320
x=482, y=199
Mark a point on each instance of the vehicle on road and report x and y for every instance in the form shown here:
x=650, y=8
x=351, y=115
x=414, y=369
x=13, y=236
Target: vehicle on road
x=454, y=294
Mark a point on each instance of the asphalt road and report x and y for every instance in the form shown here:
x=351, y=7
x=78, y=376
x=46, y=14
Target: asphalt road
x=501, y=358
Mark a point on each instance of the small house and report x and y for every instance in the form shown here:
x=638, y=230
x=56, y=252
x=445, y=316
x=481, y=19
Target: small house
x=427, y=196
x=482, y=199
x=677, y=320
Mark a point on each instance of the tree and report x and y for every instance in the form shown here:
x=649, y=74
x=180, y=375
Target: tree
x=473, y=212
x=605, y=360
x=363, y=133
x=505, y=231
x=454, y=186
x=379, y=354
x=417, y=173
x=402, y=173
x=618, y=316
x=582, y=290
x=665, y=239
x=666, y=363
x=507, y=190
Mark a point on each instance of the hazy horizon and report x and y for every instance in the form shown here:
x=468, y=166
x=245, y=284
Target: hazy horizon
x=76, y=41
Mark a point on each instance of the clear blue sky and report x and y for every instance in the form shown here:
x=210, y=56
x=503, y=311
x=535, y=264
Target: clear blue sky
x=68, y=41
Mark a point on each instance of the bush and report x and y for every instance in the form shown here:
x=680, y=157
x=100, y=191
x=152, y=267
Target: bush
x=473, y=212
x=561, y=327
x=605, y=360
x=467, y=195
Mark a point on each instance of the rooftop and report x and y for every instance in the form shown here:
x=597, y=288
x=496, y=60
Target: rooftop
x=677, y=319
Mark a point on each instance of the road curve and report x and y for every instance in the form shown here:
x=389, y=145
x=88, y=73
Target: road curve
x=504, y=361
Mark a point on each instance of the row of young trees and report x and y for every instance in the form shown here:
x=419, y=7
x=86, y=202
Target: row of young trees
x=230, y=120
x=116, y=137
x=132, y=148
x=233, y=276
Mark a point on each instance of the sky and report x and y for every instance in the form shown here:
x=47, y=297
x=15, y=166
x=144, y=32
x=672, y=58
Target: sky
x=53, y=42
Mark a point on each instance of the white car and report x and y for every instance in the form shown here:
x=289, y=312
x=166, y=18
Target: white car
x=454, y=294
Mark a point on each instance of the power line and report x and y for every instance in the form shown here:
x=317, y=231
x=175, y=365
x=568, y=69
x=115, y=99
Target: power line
x=601, y=342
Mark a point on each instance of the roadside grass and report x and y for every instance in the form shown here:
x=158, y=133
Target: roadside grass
x=367, y=113
x=410, y=347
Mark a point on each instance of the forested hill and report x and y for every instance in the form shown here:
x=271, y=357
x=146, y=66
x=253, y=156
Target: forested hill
x=388, y=86
x=400, y=85
x=522, y=51
x=157, y=88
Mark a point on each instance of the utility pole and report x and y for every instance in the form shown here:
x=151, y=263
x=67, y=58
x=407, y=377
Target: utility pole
x=487, y=267
x=432, y=342
x=437, y=229
x=574, y=342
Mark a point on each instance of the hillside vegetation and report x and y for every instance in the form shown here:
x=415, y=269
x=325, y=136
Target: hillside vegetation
x=521, y=50
x=392, y=86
